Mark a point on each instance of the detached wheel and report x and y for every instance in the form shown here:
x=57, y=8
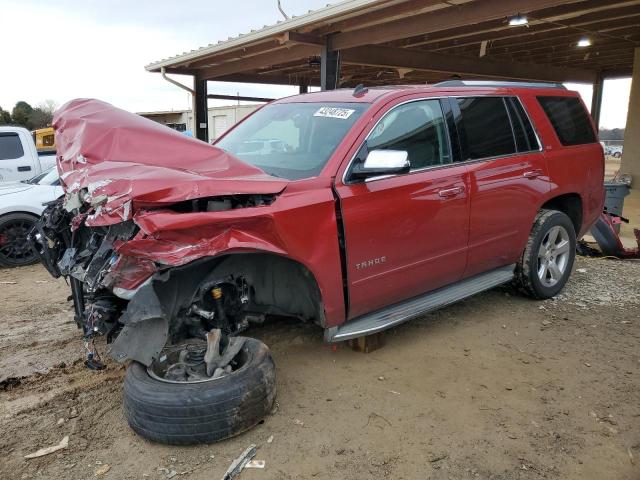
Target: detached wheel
x=547, y=260
x=15, y=251
x=194, y=409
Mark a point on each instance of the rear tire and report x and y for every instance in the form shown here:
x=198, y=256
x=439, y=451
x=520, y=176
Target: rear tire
x=207, y=412
x=547, y=260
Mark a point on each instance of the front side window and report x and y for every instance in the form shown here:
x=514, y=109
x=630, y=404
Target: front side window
x=10, y=146
x=485, y=128
x=569, y=119
x=292, y=140
x=419, y=129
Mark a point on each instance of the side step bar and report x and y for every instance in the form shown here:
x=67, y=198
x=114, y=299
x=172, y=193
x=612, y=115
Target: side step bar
x=401, y=312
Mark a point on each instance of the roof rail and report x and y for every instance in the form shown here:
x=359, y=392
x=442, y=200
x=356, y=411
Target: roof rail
x=493, y=83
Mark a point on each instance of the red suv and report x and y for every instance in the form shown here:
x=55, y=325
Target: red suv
x=355, y=209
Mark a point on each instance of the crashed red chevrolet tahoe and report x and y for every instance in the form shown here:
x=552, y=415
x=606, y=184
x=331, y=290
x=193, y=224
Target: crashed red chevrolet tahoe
x=354, y=209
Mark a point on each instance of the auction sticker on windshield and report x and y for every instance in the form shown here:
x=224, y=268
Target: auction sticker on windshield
x=334, y=112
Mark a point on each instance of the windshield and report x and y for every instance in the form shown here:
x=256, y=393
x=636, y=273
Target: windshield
x=292, y=140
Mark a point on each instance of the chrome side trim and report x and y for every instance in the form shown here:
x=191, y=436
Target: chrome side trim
x=390, y=316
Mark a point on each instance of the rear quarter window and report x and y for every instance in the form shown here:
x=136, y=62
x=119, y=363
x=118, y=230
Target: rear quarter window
x=569, y=120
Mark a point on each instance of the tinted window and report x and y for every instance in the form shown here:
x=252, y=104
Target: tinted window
x=419, y=129
x=486, y=130
x=569, y=119
x=526, y=140
x=10, y=146
x=292, y=140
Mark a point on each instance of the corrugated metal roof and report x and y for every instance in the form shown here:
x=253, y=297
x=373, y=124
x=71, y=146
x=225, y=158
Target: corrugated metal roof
x=313, y=16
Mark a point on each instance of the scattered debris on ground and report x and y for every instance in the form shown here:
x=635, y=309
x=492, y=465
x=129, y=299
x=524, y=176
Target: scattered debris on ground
x=64, y=443
x=240, y=463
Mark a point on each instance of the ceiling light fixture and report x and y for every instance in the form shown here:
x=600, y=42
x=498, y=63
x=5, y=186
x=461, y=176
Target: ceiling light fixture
x=518, y=20
x=584, y=42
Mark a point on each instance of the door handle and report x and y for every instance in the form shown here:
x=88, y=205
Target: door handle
x=532, y=174
x=25, y=168
x=450, y=192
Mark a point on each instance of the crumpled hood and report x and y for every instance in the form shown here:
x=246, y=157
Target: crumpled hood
x=120, y=162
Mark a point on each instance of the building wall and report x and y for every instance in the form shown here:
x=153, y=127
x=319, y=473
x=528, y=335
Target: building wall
x=179, y=120
x=220, y=118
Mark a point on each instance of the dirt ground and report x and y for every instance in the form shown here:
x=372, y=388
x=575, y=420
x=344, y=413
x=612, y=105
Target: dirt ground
x=495, y=387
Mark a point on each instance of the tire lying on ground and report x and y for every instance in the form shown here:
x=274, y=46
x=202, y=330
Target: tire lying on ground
x=206, y=412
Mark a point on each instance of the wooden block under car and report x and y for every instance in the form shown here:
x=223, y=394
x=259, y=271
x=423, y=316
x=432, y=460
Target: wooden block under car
x=368, y=343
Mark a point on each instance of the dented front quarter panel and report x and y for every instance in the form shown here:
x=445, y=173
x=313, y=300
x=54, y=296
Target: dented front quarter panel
x=299, y=224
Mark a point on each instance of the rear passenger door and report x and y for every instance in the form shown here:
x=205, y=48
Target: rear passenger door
x=508, y=178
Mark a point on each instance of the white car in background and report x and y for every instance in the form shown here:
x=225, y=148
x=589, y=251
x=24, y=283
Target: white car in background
x=21, y=203
x=615, y=151
x=19, y=158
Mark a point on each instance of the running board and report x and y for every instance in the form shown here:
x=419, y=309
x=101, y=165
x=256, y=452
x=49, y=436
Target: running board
x=401, y=312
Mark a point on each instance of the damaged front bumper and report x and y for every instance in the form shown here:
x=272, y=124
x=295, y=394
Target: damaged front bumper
x=140, y=305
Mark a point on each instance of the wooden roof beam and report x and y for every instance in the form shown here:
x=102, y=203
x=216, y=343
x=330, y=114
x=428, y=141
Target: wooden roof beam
x=270, y=79
x=390, y=57
x=259, y=61
x=538, y=32
x=447, y=18
x=554, y=44
x=294, y=38
x=571, y=14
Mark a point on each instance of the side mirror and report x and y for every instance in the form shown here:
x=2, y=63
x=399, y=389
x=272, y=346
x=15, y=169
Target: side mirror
x=382, y=162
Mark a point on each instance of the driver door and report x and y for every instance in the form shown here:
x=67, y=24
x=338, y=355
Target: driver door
x=405, y=234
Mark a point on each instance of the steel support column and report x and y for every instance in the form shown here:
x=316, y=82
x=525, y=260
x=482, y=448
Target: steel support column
x=329, y=66
x=201, y=111
x=596, y=99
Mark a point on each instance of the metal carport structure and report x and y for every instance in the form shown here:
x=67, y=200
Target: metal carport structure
x=377, y=42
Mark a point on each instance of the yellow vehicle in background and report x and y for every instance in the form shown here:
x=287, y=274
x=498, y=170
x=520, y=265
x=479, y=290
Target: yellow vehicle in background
x=44, y=139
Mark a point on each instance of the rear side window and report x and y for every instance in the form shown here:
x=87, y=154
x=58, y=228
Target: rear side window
x=569, y=119
x=526, y=140
x=10, y=146
x=486, y=129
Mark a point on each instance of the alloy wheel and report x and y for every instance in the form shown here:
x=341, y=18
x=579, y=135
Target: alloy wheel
x=553, y=256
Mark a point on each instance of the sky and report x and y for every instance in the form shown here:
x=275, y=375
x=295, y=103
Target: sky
x=66, y=49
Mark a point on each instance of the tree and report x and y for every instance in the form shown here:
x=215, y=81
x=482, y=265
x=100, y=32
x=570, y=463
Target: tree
x=612, y=134
x=20, y=114
x=39, y=119
x=31, y=118
x=5, y=117
x=48, y=106
x=42, y=115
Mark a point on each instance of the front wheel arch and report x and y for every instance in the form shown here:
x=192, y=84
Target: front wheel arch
x=285, y=287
